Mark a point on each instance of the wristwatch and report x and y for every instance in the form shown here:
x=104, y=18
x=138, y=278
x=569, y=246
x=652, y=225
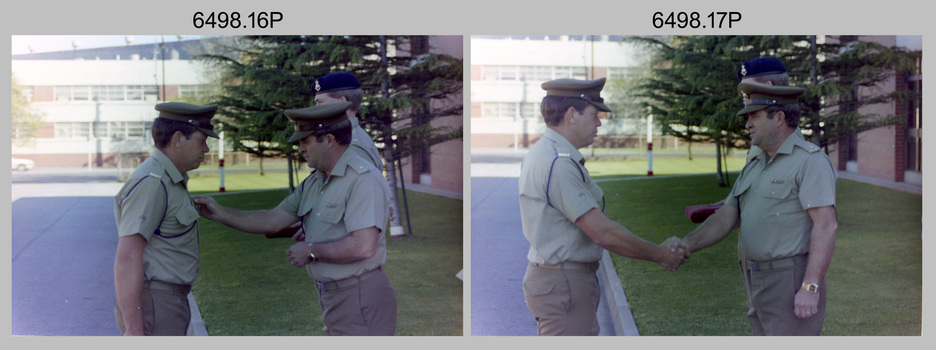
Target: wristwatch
x=811, y=288
x=311, y=254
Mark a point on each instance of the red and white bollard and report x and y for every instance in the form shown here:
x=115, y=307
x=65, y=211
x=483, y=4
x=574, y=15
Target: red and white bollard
x=649, y=158
x=221, y=166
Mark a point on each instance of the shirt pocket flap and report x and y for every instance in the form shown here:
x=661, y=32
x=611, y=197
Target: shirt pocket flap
x=330, y=212
x=187, y=216
x=778, y=191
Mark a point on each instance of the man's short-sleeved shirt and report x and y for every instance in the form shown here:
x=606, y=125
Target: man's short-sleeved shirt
x=555, y=190
x=774, y=196
x=364, y=146
x=155, y=203
x=354, y=197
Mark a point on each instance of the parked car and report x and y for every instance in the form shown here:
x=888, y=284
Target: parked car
x=23, y=164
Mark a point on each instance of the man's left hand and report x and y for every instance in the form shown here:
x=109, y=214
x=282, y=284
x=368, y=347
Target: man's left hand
x=806, y=304
x=298, y=254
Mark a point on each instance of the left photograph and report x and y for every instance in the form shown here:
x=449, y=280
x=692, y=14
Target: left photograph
x=237, y=185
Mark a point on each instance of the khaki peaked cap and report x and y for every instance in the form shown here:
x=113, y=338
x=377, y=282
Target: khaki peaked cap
x=197, y=116
x=590, y=90
x=318, y=120
x=760, y=96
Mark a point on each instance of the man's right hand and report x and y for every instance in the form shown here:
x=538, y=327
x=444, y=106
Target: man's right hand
x=207, y=207
x=675, y=253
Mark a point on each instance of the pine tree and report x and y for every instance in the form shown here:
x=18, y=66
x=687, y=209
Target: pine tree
x=693, y=85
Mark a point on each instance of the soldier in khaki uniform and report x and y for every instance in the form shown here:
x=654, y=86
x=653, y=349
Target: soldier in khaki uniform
x=784, y=201
x=157, y=253
x=344, y=87
x=560, y=209
x=343, y=208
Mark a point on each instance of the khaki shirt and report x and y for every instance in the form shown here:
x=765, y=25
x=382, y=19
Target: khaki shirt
x=364, y=146
x=155, y=197
x=354, y=197
x=555, y=190
x=774, y=196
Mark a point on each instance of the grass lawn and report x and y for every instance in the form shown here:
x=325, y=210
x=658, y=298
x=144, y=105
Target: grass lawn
x=612, y=168
x=875, y=279
x=246, y=286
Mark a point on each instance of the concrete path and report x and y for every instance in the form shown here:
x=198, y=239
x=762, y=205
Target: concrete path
x=63, y=246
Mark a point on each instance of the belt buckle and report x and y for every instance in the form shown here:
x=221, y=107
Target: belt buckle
x=321, y=285
x=755, y=266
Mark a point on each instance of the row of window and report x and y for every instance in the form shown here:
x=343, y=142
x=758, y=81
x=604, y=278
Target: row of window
x=114, y=130
x=532, y=73
x=510, y=110
x=612, y=38
x=545, y=73
x=120, y=92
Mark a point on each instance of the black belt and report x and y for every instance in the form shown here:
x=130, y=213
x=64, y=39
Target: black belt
x=569, y=265
x=181, y=289
x=776, y=263
x=347, y=282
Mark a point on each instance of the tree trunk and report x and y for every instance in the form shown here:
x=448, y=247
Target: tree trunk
x=689, y=148
x=396, y=225
x=289, y=166
x=720, y=175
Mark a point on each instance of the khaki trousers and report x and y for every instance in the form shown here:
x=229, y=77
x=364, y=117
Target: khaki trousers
x=363, y=305
x=771, y=294
x=562, y=298
x=165, y=309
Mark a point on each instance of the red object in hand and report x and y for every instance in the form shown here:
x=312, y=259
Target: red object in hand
x=284, y=233
x=698, y=213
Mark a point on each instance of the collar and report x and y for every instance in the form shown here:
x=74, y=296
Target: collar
x=563, y=145
x=785, y=148
x=341, y=166
x=170, y=168
x=355, y=123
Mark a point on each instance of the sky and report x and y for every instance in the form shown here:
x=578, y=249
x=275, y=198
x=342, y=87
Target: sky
x=50, y=43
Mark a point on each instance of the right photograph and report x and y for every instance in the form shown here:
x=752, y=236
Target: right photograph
x=696, y=185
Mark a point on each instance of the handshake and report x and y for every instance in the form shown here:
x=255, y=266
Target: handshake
x=673, y=252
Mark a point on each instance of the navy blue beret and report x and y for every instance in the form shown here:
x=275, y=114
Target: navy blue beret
x=761, y=66
x=335, y=82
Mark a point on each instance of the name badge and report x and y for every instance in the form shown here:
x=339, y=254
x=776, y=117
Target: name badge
x=776, y=181
x=331, y=205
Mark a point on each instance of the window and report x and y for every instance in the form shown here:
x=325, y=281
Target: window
x=509, y=110
x=106, y=93
x=72, y=130
x=532, y=73
x=121, y=130
x=191, y=90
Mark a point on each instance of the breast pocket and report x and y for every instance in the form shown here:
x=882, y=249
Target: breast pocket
x=782, y=191
x=330, y=212
x=187, y=216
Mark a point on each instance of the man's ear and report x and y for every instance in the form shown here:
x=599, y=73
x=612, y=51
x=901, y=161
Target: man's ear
x=176, y=139
x=569, y=115
x=780, y=118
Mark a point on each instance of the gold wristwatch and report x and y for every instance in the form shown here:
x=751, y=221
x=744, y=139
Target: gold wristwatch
x=811, y=288
x=311, y=254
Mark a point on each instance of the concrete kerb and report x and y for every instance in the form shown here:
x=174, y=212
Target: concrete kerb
x=621, y=315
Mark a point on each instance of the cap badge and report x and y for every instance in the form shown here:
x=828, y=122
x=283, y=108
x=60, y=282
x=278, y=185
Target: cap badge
x=743, y=70
x=317, y=86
